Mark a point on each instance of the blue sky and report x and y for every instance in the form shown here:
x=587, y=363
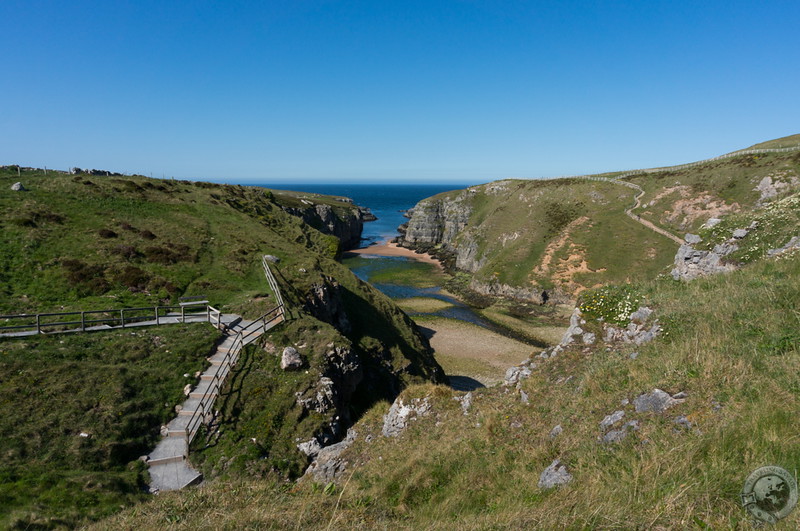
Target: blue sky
x=392, y=91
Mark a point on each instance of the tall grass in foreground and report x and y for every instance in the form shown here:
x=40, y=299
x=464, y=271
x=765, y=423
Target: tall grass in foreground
x=731, y=342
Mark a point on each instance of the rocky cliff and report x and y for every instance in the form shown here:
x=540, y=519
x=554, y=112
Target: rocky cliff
x=346, y=222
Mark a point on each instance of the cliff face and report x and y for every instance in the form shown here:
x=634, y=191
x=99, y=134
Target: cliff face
x=439, y=224
x=346, y=222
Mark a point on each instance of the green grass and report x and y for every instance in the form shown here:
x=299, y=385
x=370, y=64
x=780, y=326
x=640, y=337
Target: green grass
x=730, y=345
x=80, y=242
x=117, y=387
x=524, y=237
x=422, y=305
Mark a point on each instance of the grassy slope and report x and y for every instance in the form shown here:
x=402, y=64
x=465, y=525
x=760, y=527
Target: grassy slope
x=515, y=221
x=174, y=238
x=118, y=387
x=730, y=342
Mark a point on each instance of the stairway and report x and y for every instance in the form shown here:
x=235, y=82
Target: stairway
x=169, y=465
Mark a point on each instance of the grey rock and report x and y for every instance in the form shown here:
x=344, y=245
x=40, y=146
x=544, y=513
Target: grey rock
x=712, y=222
x=311, y=447
x=272, y=258
x=17, y=187
x=641, y=315
x=792, y=244
x=396, y=420
x=515, y=374
x=556, y=431
x=740, y=233
x=633, y=355
x=692, y=239
x=656, y=401
x=465, y=401
x=589, y=338
x=613, y=418
x=614, y=436
x=291, y=359
x=683, y=422
x=523, y=396
x=691, y=263
x=328, y=466
x=554, y=475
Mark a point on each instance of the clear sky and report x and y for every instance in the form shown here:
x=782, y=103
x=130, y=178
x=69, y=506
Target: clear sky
x=389, y=91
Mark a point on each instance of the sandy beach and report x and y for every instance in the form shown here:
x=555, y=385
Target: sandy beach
x=392, y=249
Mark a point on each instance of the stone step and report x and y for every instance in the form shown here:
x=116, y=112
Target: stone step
x=169, y=450
x=173, y=476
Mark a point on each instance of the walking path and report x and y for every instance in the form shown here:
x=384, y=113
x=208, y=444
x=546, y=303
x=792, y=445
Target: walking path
x=168, y=462
x=637, y=202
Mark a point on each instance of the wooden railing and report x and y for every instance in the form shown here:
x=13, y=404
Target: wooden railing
x=56, y=322
x=242, y=338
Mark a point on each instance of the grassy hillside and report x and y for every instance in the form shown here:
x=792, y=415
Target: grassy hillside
x=97, y=242
x=572, y=234
x=729, y=342
x=79, y=409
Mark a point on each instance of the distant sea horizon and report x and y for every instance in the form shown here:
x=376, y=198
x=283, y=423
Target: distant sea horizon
x=386, y=201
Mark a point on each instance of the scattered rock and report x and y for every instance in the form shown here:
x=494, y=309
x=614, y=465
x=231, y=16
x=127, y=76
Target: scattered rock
x=311, y=447
x=611, y=419
x=187, y=389
x=641, y=315
x=589, y=338
x=692, y=239
x=615, y=436
x=291, y=359
x=738, y=234
x=633, y=355
x=17, y=187
x=554, y=475
x=794, y=243
x=465, y=401
x=712, y=222
x=656, y=401
x=574, y=328
x=328, y=466
x=523, y=396
x=556, y=431
x=399, y=415
x=683, y=422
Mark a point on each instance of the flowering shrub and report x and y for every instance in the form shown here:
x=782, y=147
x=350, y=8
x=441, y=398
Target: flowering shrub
x=613, y=304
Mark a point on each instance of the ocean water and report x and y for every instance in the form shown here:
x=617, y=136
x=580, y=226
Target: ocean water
x=386, y=201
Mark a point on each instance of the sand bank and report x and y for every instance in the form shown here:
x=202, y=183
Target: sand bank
x=392, y=249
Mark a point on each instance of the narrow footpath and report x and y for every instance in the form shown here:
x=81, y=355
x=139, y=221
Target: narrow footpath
x=168, y=462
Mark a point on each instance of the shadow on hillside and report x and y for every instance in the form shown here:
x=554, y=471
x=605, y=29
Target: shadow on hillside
x=464, y=383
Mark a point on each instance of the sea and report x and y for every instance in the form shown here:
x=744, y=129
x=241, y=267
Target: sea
x=386, y=201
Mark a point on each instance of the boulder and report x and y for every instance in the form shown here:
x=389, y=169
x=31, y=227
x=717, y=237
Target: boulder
x=328, y=466
x=692, y=239
x=17, y=187
x=400, y=413
x=613, y=418
x=554, y=475
x=291, y=359
x=656, y=401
